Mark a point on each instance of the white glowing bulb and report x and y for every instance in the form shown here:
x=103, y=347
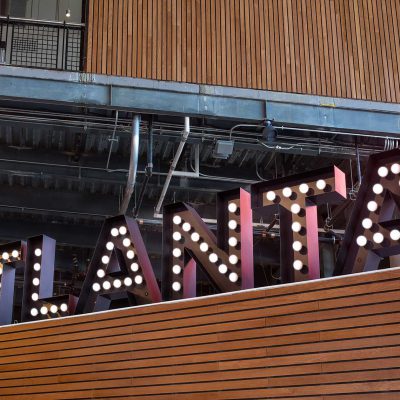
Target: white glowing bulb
x=123, y=230
x=36, y=282
x=297, y=246
x=203, y=247
x=130, y=254
x=304, y=188
x=106, y=285
x=295, y=208
x=395, y=234
x=378, y=238
x=377, y=188
x=177, y=236
x=135, y=267
x=232, y=241
x=176, y=269
x=138, y=279
x=177, y=220
x=383, y=172
x=114, y=232
x=96, y=287
x=126, y=242
x=232, y=224
x=296, y=227
x=233, y=259
x=298, y=265
x=287, y=192
x=233, y=277
x=367, y=223
x=44, y=310
x=176, y=286
x=395, y=168
x=271, y=196
x=105, y=259
x=101, y=273
x=372, y=206
x=321, y=184
x=362, y=241
x=36, y=267
x=38, y=252
x=109, y=246
x=128, y=281
x=117, y=283
x=176, y=252
x=35, y=297
x=213, y=258
x=34, y=312
x=186, y=227
x=232, y=207
x=53, y=309
x=5, y=256
x=195, y=237
x=15, y=253
x=223, y=269
x=64, y=307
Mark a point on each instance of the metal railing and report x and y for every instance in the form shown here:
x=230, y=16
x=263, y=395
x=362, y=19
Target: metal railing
x=41, y=44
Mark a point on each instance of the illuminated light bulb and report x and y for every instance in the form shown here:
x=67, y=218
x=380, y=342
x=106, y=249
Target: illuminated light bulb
x=177, y=236
x=15, y=253
x=177, y=220
x=362, y=241
x=367, y=223
x=232, y=207
x=232, y=241
x=271, y=196
x=128, y=281
x=109, y=246
x=297, y=246
x=195, y=237
x=287, y=192
x=117, y=283
x=96, y=287
x=35, y=297
x=130, y=254
x=203, y=247
x=5, y=256
x=378, y=238
x=295, y=208
x=44, y=310
x=101, y=273
x=53, y=309
x=36, y=267
x=377, y=188
x=232, y=224
x=34, y=312
x=68, y=13
x=395, y=234
x=114, y=232
x=106, y=285
x=176, y=286
x=138, y=279
x=135, y=267
x=383, y=172
x=304, y=188
x=372, y=206
x=1, y=269
x=233, y=259
x=395, y=168
x=126, y=242
x=176, y=269
x=36, y=282
x=38, y=252
x=223, y=269
x=123, y=230
x=177, y=252
x=298, y=265
x=105, y=259
x=296, y=227
x=213, y=258
x=233, y=277
x=64, y=307
x=186, y=227
x=321, y=184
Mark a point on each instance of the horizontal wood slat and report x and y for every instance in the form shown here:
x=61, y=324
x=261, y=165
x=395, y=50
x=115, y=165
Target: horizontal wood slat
x=334, y=338
x=336, y=48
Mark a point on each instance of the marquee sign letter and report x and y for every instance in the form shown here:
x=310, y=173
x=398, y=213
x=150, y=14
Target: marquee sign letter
x=227, y=259
x=372, y=233
x=295, y=199
x=120, y=266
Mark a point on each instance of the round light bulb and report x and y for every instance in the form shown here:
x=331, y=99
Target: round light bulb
x=101, y=273
x=135, y=267
x=233, y=241
x=117, y=283
x=38, y=252
x=176, y=269
x=109, y=246
x=233, y=277
x=114, y=232
x=130, y=254
x=177, y=220
x=105, y=260
x=123, y=230
x=36, y=282
x=295, y=208
x=232, y=207
x=106, y=285
x=213, y=258
x=186, y=227
x=367, y=223
x=15, y=253
x=5, y=256
x=287, y=192
x=203, y=247
x=372, y=206
x=96, y=287
x=304, y=188
x=233, y=259
x=176, y=253
x=128, y=281
x=44, y=310
x=138, y=279
x=177, y=236
x=395, y=234
x=126, y=242
x=271, y=196
x=223, y=269
x=298, y=265
x=297, y=246
x=232, y=224
x=321, y=184
x=35, y=297
x=378, y=238
x=34, y=312
x=176, y=286
x=195, y=237
x=383, y=172
x=395, y=168
x=36, y=267
x=64, y=307
x=377, y=188
x=362, y=241
x=296, y=227
x=53, y=309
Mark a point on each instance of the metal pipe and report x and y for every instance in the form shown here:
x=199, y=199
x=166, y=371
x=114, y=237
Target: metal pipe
x=185, y=135
x=130, y=185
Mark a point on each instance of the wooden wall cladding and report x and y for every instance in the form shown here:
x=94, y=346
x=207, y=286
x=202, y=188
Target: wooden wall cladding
x=339, y=48
x=328, y=339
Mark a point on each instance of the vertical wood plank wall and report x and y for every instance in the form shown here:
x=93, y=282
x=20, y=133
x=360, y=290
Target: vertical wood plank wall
x=339, y=48
x=330, y=339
